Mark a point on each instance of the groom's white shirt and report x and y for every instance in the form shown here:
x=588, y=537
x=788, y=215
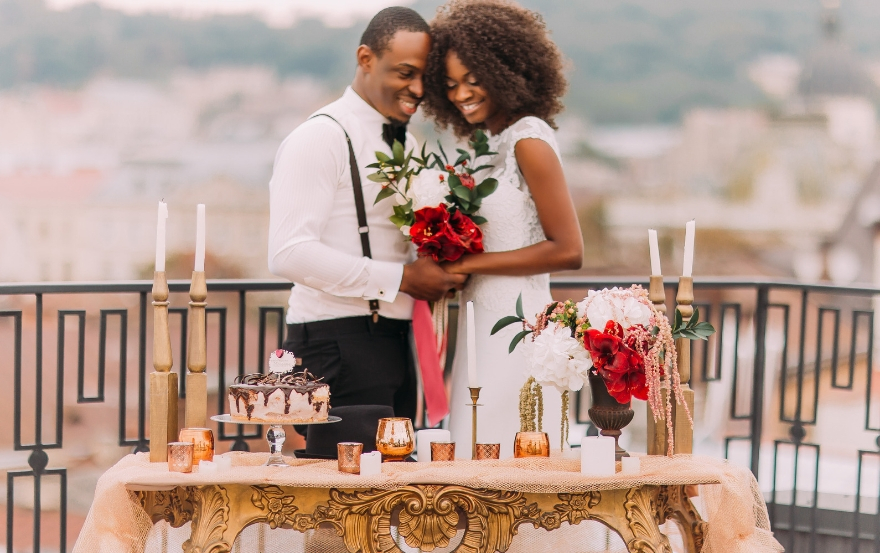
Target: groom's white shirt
x=313, y=230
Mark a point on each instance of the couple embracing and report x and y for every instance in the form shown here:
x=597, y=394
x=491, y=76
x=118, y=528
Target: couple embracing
x=480, y=64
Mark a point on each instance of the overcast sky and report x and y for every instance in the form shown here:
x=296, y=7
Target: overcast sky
x=340, y=13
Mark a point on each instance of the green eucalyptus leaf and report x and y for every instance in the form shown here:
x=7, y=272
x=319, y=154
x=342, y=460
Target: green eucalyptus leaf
x=383, y=157
x=479, y=220
x=397, y=150
x=551, y=307
x=384, y=193
x=486, y=187
x=376, y=165
x=519, y=309
x=463, y=157
x=504, y=322
x=445, y=157
x=516, y=340
x=481, y=167
x=379, y=177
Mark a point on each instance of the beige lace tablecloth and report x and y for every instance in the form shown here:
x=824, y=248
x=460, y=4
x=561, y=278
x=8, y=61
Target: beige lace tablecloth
x=733, y=504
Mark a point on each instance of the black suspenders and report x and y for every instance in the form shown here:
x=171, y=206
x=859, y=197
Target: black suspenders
x=363, y=229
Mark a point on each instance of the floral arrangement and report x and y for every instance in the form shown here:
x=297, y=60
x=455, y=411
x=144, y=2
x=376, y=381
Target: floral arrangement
x=437, y=200
x=615, y=333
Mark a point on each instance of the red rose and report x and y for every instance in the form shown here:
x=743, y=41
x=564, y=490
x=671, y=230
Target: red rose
x=433, y=236
x=620, y=366
x=467, y=180
x=469, y=234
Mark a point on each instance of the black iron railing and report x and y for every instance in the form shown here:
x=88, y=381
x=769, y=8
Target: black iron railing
x=789, y=374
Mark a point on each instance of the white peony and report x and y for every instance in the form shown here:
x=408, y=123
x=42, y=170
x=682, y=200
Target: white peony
x=427, y=190
x=614, y=305
x=556, y=359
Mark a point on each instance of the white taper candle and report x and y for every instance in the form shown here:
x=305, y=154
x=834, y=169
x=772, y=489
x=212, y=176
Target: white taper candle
x=688, y=268
x=655, y=252
x=473, y=382
x=200, y=237
x=160, y=237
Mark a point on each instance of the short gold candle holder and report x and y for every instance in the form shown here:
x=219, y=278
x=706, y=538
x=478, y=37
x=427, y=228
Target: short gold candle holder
x=203, y=443
x=488, y=451
x=443, y=451
x=395, y=438
x=475, y=396
x=180, y=456
x=349, y=456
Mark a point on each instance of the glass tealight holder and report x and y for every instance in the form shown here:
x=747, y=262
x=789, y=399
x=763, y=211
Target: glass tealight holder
x=443, y=451
x=395, y=438
x=180, y=456
x=350, y=456
x=488, y=451
x=203, y=443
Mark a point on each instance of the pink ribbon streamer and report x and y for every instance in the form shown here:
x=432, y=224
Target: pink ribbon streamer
x=436, y=402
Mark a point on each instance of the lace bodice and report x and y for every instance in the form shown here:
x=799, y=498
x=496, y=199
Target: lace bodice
x=512, y=220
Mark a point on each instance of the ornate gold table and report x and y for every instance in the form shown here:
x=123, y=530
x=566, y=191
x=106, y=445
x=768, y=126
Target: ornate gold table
x=427, y=515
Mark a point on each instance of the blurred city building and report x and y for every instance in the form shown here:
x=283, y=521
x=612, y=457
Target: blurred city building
x=81, y=171
x=786, y=189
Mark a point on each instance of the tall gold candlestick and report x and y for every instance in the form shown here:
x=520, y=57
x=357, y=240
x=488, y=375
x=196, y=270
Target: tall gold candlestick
x=475, y=396
x=656, y=293
x=656, y=442
x=197, y=355
x=684, y=432
x=163, y=382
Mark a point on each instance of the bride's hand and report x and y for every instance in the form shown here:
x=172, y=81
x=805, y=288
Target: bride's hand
x=456, y=267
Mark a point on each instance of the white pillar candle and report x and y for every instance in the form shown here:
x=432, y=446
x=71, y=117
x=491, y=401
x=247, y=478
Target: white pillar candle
x=200, y=238
x=223, y=462
x=471, y=347
x=207, y=467
x=655, y=252
x=688, y=268
x=371, y=463
x=160, y=237
x=628, y=465
x=424, y=439
x=597, y=456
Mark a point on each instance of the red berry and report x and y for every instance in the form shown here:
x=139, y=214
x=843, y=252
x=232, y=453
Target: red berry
x=279, y=353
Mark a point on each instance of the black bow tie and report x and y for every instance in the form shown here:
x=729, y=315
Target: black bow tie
x=394, y=131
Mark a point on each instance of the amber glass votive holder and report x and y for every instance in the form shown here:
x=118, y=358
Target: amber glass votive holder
x=443, y=451
x=350, y=456
x=180, y=456
x=395, y=438
x=488, y=451
x=531, y=444
x=203, y=443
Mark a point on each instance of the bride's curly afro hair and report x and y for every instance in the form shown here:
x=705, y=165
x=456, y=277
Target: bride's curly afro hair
x=507, y=48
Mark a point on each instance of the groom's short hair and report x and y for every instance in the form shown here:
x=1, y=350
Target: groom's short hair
x=387, y=22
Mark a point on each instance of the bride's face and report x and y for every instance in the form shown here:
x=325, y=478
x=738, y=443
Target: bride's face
x=465, y=92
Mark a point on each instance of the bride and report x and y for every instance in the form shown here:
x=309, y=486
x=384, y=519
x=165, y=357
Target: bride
x=492, y=66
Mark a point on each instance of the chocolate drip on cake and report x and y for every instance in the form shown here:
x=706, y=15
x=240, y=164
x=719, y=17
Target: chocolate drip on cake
x=303, y=382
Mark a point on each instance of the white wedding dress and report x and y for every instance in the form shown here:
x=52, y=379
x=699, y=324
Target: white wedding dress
x=512, y=224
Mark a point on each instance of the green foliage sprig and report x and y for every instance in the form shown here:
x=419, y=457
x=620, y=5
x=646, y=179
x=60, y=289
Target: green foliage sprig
x=395, y=173
x=693, y=329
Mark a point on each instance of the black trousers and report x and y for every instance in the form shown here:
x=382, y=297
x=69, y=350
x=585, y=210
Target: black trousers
x=365, y=363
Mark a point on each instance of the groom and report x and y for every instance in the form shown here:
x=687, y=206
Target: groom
x=350, y=309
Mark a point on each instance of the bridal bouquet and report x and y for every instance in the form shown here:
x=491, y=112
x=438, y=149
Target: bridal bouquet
x=437, y=200
x=617, y=334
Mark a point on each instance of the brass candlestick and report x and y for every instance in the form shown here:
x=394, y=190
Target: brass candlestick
x=475, y=396
x=657, y=294
x=163, y=382
x=197, y=355
x=656, y=442
x=683, y=431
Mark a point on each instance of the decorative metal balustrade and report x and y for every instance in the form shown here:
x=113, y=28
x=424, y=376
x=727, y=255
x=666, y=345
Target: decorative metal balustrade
x=789, y=375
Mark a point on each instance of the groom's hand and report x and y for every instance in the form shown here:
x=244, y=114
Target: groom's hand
x=424, y=279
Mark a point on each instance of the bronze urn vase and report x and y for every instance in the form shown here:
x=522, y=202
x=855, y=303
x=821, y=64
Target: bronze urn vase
x=609, y=416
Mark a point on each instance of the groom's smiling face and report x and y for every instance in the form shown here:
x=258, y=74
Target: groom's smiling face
x=393, y=77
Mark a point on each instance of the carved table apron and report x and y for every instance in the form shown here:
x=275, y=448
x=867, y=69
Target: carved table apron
x=427, y=514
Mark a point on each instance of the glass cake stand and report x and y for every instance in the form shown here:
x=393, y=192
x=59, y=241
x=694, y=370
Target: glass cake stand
x=275, y=435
